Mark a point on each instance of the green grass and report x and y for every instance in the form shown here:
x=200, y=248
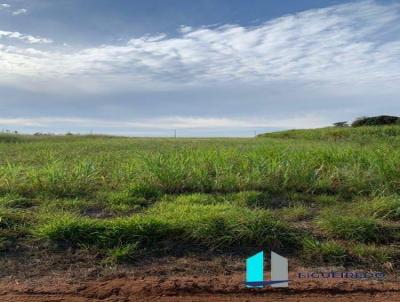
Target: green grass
x=218, y=226
x=327, y=252
x=359, y=134
x=353, y=227
x=296, y=213
x=124, y=196
x=387, y=207
x=373, y=253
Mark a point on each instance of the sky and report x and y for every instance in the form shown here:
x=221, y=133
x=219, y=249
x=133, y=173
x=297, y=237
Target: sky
x=204, y=67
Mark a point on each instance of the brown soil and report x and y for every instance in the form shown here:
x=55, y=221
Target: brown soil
x=169, y=279
x=216, y=288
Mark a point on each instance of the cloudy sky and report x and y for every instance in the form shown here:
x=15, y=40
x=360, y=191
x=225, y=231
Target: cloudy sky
x=204, y=67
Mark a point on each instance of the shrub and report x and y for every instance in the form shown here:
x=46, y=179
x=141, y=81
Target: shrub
x=340, y=124
x=376, y=121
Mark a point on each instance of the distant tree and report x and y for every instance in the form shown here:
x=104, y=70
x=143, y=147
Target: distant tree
x=340, y=124
x=376, y=121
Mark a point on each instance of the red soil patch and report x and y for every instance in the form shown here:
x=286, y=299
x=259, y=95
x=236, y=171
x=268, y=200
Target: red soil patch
x=75, y=277
x=195, y=288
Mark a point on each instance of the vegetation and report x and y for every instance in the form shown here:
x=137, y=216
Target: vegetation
x=376, y=121
x=340, y=124
x=323, y=196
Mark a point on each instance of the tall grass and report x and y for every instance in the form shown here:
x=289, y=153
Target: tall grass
x=217, y=226
x=337, y=185
x=83, y=167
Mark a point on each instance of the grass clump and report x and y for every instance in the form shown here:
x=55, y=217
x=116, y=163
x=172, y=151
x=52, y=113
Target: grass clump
x=295, y=213
x=121, y=254
x=385, y=207
x=219, y=226
x=15, y=201
x=224, y=225
x=323, y=252
x=71, y=205
x=325, y=200
x=13, y=227
x=135, y=198
x=362, y=229
x=11, y=219
x=257, y=199
x=371, y=253
x=71, y=229
x=198, y=198
x=144, y=192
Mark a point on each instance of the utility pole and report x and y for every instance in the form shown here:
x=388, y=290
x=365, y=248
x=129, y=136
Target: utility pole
x=174, y=133
x=255, y=133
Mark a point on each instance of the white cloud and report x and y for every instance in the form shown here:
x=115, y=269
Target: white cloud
x=16, y=12
x=21, y=11
x=185, y=29
x=176, y=122
x=354, y=44
x=26, y=38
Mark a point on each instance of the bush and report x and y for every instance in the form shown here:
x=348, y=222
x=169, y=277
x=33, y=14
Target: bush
x=376, y=121
x=340, y=124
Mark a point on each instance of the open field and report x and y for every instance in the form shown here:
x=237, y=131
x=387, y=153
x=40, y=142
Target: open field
x=325, y=197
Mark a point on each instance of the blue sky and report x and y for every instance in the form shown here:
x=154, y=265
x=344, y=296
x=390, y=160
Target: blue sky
x=205, y=68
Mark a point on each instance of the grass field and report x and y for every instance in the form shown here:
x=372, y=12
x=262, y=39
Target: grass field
x=323, y=197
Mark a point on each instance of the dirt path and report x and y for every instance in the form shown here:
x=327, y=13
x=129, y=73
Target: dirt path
x=168, y=289
x=76, y=278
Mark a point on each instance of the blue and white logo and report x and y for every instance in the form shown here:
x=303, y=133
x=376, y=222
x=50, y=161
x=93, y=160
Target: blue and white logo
x=255, y=271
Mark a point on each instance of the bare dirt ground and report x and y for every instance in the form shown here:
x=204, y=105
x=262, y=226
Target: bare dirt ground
x=215, y=288
x=75, y=278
